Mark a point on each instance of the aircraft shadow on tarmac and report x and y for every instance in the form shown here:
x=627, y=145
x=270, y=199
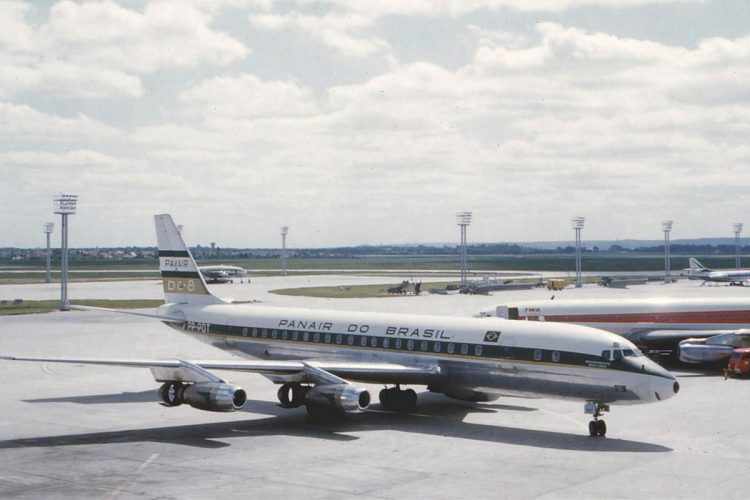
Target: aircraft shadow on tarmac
x=436, y=415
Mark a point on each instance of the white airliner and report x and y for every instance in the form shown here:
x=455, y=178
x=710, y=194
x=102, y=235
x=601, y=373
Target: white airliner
x=731, y=276
x=317, y=354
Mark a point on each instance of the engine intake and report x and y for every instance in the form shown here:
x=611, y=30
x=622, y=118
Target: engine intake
x=344, y=397
x=209, y=396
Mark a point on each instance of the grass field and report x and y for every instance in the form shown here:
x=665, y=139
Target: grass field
x=45, y=306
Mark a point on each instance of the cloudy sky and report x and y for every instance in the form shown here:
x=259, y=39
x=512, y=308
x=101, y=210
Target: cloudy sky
x=359, y=121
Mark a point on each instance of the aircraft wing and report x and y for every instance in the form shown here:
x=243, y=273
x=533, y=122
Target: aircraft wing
x=317, y=372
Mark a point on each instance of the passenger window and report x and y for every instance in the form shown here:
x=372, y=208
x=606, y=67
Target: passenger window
x=398, y=343
x=437, y=346
x=244, y=332
x=373, y=341
x=274, y=334
x=478, y=350
x=451, y=348
x=316, y=337
x=295, y=335
x=605, y=356
x=284, y=334
x=306, y=337
x=350, y=340
x=423, y=345
x=464, y=348
x=386, y=342
x=537, y=354
x=556, y=356
x=339, y=339
x=363, y=341
x=328, y=338
x=410, y=345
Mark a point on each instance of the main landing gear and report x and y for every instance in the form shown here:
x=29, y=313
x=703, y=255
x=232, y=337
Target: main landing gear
x=395, y=399
x=597, y=428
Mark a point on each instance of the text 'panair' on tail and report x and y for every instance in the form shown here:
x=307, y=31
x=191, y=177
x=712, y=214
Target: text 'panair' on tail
x=183, y=281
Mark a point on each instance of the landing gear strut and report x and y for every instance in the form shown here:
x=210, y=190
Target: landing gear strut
x=395, y=399
x=597, y=428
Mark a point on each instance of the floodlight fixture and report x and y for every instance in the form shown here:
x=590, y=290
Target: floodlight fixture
x=284, y=260
x=463, y=220
x=666, y=226
x=737, y=227
x=64, y=204
x=49, y=227
x=577, y=223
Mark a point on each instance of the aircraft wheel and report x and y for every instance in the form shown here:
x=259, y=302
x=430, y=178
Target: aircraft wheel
x=601, y=428
x=593, y=431
x=408, y=400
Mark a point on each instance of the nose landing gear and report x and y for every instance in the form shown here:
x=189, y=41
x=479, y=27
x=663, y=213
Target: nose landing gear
x=597, y=428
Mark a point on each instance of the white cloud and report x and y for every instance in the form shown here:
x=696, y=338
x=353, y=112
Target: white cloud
x=20, y=124
x=249, y=97
x=333, y=30
x=100, y=49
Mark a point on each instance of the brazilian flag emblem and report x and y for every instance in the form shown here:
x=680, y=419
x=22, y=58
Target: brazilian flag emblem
x=492, y=336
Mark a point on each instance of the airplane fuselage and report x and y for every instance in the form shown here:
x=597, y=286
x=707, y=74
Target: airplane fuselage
x=492, y=356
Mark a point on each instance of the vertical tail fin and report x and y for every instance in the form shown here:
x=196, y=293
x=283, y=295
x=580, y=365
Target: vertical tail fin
x=695, y=265
x=183, y=281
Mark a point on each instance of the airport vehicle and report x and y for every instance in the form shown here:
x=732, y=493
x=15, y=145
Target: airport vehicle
x=215, y=276
x=655, y=325
x=731, y=276
x=222, y=273
x=713, y=350
x=739, y=362
x=316, y=355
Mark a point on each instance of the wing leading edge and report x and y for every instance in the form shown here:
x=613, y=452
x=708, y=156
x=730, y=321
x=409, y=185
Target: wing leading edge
x=300, y=371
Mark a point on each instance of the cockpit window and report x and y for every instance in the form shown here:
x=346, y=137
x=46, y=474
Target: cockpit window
x=617, y=354
x=605, y=355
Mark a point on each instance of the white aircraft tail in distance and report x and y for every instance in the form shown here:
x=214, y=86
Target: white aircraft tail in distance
x=318, y=356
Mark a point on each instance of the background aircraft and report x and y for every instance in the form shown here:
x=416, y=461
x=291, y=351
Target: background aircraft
x=222, y=273
x=655, y=325
x=731, y=276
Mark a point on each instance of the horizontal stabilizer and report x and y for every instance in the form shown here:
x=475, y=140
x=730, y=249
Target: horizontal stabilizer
x=162, y=317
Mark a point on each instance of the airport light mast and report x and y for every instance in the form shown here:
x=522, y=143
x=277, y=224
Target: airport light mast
x=284, y=232
x=48, y=228
x=64, y=205
x=463, y=219
x=737, y=226
x=666, y=226
x=577, y=224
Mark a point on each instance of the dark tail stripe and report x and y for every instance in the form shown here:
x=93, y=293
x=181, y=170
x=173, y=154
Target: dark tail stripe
x=173, y=253
x=180, y=274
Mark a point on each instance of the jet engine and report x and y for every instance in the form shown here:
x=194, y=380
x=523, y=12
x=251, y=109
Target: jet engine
x=343, y=397
x=210, y=396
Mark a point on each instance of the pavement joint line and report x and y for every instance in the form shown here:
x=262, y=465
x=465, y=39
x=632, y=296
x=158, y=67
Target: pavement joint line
x=135, y=475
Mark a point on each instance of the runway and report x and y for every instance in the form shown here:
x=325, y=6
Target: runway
x=95, y=432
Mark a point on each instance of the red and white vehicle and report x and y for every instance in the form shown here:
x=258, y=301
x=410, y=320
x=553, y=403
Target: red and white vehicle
x=739, y=362
x=656, y=325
